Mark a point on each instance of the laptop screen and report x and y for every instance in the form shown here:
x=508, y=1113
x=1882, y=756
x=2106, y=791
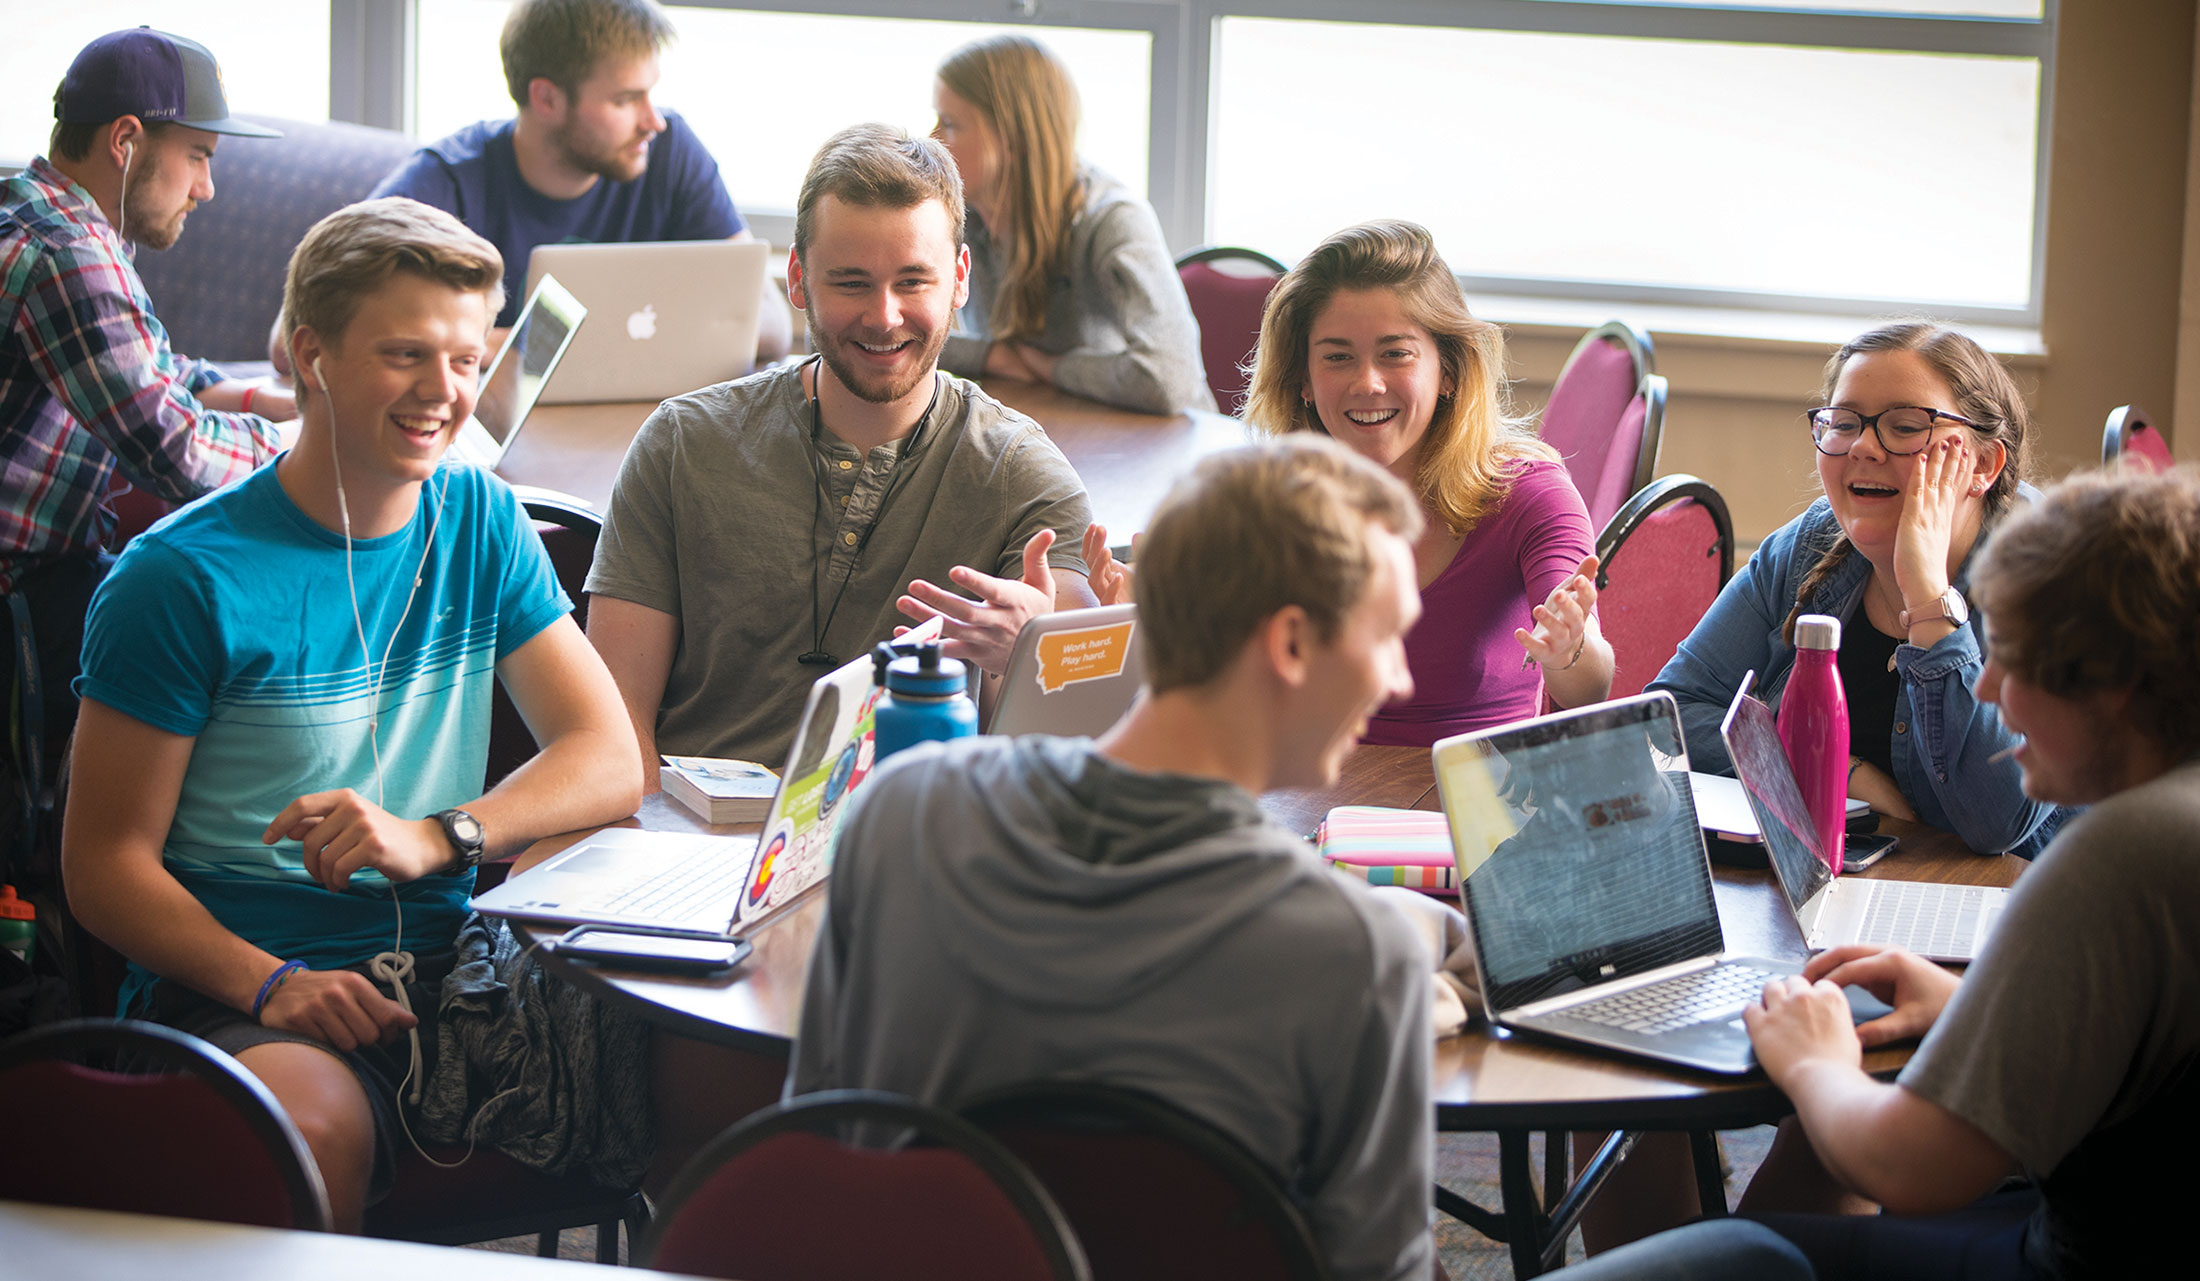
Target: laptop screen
x=1580, y=861
x=1761, y=763
x=538, y=339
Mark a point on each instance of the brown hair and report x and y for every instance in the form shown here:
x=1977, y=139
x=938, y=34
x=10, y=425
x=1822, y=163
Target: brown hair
x=1249, y=532
x=74, y=140
x=1028, y=99
x=347, y=255
x=1985, y=394
x=1474, y=446
x=2097, y=587
x=564, y=41
x=878, y=167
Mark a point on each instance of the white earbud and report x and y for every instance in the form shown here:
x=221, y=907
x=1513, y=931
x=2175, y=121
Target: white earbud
x=320, y=377
x=129, y=153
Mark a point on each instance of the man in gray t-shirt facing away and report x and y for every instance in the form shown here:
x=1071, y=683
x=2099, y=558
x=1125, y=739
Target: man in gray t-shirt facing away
x=2070, y=1049
x=765, y=531
x=1120, y=911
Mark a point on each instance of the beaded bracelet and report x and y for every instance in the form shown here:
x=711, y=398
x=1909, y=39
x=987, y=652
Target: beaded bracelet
x=275, y=980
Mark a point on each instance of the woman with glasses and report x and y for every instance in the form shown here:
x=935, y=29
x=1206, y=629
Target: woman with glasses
x=1071, y=282
x=1920, y=449
x=1369, y=341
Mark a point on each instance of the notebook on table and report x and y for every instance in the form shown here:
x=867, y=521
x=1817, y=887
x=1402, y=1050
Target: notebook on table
x=673, y=315
x=537, y=345
x=1073, y=672
x=1942, y=922
x=1587, y=889
x=719, y=885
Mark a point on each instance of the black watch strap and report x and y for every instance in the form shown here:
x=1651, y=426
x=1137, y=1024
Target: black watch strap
x=464, y=833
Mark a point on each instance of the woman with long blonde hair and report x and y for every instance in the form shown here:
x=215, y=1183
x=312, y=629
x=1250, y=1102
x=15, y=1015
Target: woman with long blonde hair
x=1071, y=282
x=1369, y=341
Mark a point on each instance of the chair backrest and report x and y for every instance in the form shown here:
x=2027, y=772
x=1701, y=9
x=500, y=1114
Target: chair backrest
x=1228, y=288
x=1606, y=416
x=1153, y=1192
x=860, y=1184
x=217, y=291
x=183, y=1130
x=569, y=528
x=1662, y=561
x=2130, y=433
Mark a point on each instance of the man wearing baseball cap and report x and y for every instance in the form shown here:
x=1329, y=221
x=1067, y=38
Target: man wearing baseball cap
x=88, y=383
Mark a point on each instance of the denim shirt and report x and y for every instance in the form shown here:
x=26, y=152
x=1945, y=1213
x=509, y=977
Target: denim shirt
x=1944, y=736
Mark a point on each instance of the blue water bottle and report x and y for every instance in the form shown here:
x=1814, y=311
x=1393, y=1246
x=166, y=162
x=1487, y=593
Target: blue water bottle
x=926, y=698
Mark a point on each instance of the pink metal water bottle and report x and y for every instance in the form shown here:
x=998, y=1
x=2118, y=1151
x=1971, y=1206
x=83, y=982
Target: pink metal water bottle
x=1814, y=728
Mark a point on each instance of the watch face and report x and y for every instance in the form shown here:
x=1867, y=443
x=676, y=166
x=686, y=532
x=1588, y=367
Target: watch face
x=1954, y=608
x=465, y=827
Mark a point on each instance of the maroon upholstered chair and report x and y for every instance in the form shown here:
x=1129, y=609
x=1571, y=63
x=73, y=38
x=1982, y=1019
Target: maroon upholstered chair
x=1154, y=1193
x=860, y=1184
x=2131, y=434
x=178, y=1128
x=1606, y=416
x=1228, y=289
x=1662, y=561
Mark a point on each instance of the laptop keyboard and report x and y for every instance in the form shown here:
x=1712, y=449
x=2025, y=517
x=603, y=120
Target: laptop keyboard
x=1677, y=1002
x=689, y=883
x=1930, y=920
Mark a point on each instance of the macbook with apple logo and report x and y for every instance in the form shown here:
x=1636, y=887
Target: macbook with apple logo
x=672, y=316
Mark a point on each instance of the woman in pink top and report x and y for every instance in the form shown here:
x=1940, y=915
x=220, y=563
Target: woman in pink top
x=1369, y=340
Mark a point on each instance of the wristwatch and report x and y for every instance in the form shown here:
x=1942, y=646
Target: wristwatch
x=1952, y=608
x=463, y=831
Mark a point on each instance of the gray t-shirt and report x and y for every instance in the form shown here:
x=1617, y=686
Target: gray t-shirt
x=1117, y=316
x=1012, y=910
x=725, y=516
x=2074, y=1041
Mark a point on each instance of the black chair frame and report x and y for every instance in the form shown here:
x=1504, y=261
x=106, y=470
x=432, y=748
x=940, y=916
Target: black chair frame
x=1218, y=253
x=105, y=1043
x=827, y=1110
x=1647, y=501
x=1074, y=1105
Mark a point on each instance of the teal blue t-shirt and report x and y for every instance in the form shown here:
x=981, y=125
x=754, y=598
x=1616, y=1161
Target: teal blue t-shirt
x=232, y=621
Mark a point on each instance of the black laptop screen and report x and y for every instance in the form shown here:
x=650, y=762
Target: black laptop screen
x=1580, y=856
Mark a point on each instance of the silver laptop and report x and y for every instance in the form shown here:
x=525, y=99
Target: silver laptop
x=1943, y=922
x=673, y=315
x=717, y=885
x=1073, y=672
x=1583, y=873
x=538, y=342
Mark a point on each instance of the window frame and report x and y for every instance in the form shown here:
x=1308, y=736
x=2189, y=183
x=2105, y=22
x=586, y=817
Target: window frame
x=372, y=45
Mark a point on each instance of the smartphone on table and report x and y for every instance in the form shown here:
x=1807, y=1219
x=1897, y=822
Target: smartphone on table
x=1862, y=851
x=665, y=953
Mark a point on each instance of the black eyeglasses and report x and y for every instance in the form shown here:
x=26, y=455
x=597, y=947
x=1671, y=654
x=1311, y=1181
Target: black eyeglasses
x=1904, y=429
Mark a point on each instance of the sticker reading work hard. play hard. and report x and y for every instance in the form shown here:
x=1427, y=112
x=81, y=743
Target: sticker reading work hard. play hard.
x=1088, y=654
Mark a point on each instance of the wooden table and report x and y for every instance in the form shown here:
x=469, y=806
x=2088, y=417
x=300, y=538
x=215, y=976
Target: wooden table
x=59, y=1241
x=1484, y=1079
x=1127, y=459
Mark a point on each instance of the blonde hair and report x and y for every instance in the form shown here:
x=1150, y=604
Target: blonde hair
x=877, y=167
x=1027, y=98
x=346, y=256
x=1249, y=532
x=1474, y=447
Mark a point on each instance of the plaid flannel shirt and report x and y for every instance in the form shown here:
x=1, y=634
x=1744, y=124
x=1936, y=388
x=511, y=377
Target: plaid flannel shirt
x=87, y=382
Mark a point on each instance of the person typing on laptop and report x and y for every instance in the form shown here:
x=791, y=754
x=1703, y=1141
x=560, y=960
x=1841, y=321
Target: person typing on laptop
x=88, y=385
x=588, y=157
x=2070, y=1050
x=764, y=531
x=1121, y=911
x=278, y=776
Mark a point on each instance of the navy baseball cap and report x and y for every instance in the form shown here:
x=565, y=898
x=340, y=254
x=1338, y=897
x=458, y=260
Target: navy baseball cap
x=152, y=75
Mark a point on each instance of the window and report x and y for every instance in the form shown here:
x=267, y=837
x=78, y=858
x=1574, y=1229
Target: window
x=273, y=56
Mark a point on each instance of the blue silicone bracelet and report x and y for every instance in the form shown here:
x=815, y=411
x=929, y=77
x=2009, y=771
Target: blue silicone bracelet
x=275, y=980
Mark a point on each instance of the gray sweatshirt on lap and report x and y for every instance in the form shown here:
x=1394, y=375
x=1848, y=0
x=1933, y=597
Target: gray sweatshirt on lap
x=1005, y=911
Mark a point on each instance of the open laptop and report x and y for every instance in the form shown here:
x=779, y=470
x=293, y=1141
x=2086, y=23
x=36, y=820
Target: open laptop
x=1583, y=873
x=719, y=885
x=1943, y=922
x=538, y=342
x=675, y=315
x=1073, y=672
